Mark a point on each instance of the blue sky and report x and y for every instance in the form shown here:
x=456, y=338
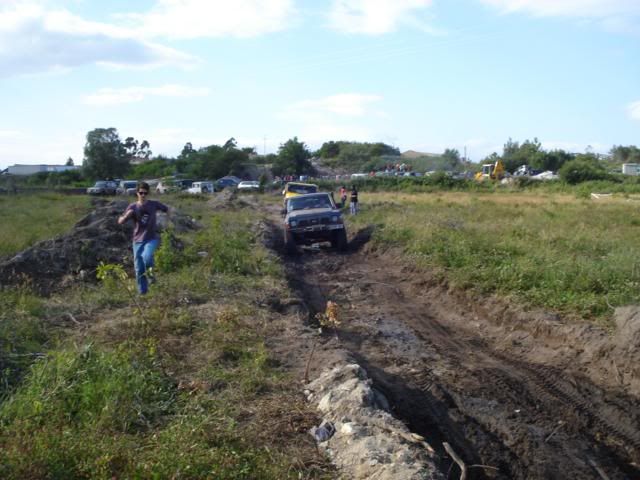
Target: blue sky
x=418, y=74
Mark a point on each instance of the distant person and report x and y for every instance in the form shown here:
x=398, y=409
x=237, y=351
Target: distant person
x=343, y=196
x=353, y=204
x=145, y=235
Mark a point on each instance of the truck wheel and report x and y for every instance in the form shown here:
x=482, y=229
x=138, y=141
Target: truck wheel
x=289, y=243
x=340, y=240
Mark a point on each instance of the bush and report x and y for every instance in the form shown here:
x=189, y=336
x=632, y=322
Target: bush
x=581, y=170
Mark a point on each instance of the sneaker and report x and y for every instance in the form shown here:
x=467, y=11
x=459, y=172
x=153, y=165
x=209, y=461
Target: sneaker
x=151, y=278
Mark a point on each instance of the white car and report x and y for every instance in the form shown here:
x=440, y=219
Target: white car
x=249, y=185
x=201, y=187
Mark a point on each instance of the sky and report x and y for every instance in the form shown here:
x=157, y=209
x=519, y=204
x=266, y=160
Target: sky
x=420, y=75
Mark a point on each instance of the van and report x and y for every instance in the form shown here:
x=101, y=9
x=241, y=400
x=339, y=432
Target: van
x=201, y=187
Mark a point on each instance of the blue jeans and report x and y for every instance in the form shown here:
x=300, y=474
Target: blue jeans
x=353, y=206
x=143, y=261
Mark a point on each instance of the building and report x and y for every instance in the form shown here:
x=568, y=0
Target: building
x=631, y=169
x=32, y=169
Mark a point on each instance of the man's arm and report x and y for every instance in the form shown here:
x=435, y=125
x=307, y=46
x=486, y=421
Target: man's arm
x=125, y=216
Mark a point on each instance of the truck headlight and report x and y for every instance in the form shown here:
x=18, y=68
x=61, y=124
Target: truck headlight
x=293, y=223
x=335, y=219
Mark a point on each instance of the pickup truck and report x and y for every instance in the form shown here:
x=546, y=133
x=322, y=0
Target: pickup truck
x=313, y=218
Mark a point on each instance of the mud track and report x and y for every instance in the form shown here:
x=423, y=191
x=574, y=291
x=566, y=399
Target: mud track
x=443, y=362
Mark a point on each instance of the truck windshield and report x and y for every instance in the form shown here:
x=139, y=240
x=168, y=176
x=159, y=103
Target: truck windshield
x=302, y=189
x=304, y=203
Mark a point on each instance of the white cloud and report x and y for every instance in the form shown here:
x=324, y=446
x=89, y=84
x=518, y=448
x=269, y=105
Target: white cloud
x=33, y=39
x=116, y=96
x=569, y=8
x=634, y=110
x=11, y=134
x=374, y=16
x=214, y=18
x=345, y=104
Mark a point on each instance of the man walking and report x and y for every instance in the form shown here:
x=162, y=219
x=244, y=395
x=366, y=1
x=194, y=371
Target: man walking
x=353, y=204
x=145, y=235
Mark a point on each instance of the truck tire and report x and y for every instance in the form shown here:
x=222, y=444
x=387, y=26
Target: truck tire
x=289, y=243
x=339, y=240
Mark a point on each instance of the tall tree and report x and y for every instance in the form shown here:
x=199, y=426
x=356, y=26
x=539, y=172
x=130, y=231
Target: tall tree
x=452, y=156
x=105, y=156
x=293, y=158
x=69, y=162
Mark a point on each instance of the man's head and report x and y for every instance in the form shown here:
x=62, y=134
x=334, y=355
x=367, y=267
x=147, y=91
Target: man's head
x=142, y=190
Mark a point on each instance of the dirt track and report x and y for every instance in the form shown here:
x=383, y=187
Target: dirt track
x=524, y=400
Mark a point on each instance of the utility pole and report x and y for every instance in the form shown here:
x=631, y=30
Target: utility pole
x=264, y=146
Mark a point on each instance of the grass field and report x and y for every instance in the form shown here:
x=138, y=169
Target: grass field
x=27, y=219
x=576, y=256
x=182, y=388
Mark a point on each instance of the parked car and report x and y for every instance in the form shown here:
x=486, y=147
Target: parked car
x=249, y=186
x=171, y=185
x=313, y=218
x=127, y=187
x=228, y=181
x=201, y=187
x=103, y=187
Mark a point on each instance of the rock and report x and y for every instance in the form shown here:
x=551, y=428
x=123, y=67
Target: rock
x=370, y=442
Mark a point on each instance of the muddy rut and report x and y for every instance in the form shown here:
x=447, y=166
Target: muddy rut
x=454, y=372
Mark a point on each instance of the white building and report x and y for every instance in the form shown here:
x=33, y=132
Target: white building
x=631, y=169
x=31, y=169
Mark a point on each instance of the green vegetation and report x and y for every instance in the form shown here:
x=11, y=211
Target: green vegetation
x=571, y=255
x=27, y=219
x=186, y=390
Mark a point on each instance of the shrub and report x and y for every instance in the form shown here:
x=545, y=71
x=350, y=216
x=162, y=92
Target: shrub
x=581, y=170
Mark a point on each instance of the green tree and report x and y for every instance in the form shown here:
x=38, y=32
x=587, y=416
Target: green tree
x=69, y=162
x=329, y=150
x=529, y=153
x=628, y=154
x=136, y=149
x=293, y=158
x=584, y=167
x=552, y=160
x=105, y=156
x=159, y=166
x=452, y=156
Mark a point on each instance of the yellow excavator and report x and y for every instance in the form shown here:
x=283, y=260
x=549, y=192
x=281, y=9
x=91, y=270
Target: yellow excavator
x=491, y=171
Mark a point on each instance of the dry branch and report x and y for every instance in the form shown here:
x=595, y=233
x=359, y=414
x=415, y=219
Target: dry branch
x=553, y=432
x=457, y=459
x=603, y=475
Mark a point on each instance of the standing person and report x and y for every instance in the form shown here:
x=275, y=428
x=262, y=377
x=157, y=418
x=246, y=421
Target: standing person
x=353, y=204
x=343, y=196
x=145, y=235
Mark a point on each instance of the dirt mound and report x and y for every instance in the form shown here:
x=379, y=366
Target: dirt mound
x=59, y=262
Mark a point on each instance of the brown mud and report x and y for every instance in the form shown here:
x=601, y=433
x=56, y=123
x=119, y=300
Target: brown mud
x=529, y=393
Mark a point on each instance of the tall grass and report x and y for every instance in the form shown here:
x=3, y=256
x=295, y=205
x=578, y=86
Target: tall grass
x=28, y=219
x=572, y=255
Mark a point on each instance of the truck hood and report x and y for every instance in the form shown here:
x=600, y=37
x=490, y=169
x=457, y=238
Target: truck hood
x=312, y=213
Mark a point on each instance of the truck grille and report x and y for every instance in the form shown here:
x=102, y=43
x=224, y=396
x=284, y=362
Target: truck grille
x=308, y=222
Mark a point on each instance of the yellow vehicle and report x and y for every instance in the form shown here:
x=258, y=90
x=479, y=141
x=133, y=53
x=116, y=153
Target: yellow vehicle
x=491, y=171
x=292, y=189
